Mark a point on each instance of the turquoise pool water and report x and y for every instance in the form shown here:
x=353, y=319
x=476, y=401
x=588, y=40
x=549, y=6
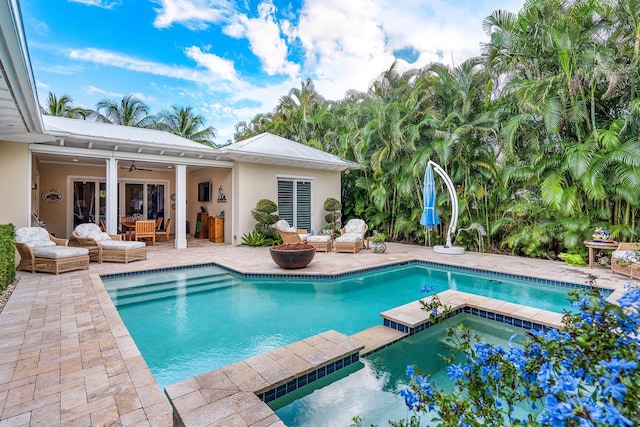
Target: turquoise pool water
x=187, y=322
x=369, y=388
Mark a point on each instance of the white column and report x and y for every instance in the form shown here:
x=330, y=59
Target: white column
x=112, y=196
x=181, y=207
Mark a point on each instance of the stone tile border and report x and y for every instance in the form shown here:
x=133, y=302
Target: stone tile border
x=235, y=395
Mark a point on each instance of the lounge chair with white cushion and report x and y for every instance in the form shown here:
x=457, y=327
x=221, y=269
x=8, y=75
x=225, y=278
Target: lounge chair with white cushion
x=105, y=247
x=41, y=252
x=290, y=234
x=352, y=236
x=626, y=260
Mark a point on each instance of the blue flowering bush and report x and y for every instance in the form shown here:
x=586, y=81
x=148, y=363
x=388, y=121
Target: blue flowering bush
x=583, y=374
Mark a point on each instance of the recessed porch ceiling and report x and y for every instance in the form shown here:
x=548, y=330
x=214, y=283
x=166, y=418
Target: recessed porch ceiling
x=123, y=164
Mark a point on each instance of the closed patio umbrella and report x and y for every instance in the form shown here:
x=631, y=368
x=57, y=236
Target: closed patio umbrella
x=429, y=215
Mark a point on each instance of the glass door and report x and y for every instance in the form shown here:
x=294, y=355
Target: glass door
x=134, y=204
x=89, y=201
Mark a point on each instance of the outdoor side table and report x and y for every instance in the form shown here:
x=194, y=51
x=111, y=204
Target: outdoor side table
x=591, y=245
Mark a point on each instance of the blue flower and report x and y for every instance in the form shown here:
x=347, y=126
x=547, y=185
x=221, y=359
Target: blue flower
x=426, y=289
x=410, y=371
x=410, y=399
x=616, y=390
x=455, y=372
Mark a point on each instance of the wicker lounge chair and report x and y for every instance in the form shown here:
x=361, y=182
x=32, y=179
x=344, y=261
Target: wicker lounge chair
x=110, y=248
x=41, y=252
x=352, y=236
x=626, y=260
x=290, y=234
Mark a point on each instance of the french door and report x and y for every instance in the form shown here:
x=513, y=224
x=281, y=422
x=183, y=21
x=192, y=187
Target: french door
x=142, y=199
x=89, y=201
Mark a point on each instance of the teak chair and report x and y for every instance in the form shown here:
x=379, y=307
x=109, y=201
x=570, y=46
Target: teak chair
x=146, y=230
x=164, y=232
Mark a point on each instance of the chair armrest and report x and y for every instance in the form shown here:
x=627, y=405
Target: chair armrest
x=85, y=241
x=628, y=246
x=59, y=241
x=301, y=231
x=115, y=236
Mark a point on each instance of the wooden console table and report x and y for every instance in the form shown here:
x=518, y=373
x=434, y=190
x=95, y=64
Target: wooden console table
x=591, y=245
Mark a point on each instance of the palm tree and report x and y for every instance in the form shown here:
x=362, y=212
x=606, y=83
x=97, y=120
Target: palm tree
x=130, y=111
x=63, y=107
x=184, y=122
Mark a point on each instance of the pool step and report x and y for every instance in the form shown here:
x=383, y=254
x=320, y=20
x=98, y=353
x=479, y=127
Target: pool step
x=170, y=289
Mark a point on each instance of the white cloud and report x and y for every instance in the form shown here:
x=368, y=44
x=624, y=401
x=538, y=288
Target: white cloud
x=216, y=65
x=41, y=85
x=91, y=90
x=265, y=41
x=105, y=4
x=114, y=59
x=193, y=14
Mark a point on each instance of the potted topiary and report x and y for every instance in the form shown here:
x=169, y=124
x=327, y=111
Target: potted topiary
x=378, y=244
x=292, y=255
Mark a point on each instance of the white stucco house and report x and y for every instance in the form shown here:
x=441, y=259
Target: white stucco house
x=65, y=171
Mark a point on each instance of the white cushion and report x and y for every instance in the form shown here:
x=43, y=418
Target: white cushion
x=303, y=237
x=318, y=239
x=354, y=226
x=91, y=231
x=59, y=252
x=349, y=238
x=284, y=225
x=629, y=256
x=120, y=245
x=34, y=237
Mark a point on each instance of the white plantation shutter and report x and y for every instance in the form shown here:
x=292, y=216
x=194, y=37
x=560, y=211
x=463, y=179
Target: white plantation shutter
x=294, y=202
x=285, y=200
x=303, y=205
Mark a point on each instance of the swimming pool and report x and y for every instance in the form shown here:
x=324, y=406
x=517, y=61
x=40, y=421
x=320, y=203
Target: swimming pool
x=369, y=388
x=189, y=321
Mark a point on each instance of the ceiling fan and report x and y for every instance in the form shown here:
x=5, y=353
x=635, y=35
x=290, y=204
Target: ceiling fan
x=133, y=167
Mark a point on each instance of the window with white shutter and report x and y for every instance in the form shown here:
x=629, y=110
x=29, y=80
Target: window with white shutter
x=294, y=202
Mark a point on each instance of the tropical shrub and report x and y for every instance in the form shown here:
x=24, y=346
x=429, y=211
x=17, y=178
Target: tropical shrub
x=584, y=374
x=265, y=217
x=7, y=255
x=334, y=216
x=253, y=238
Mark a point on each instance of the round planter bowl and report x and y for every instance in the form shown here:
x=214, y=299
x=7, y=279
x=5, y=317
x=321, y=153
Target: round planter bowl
x=291, y=259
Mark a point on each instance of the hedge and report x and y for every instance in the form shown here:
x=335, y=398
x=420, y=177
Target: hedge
x=7, y=255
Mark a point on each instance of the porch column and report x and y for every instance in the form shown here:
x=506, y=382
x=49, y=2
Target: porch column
x=181, y=207
x=112, y=196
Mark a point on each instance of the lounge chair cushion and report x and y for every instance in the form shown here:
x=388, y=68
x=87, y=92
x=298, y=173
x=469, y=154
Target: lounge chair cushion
x=628, y=256
x=355, y=226
x=284, y=225
x=318, y=239
x=349, y=238
x=34, y=237
x=91, y=231
x=59, y=252
x=120, y=245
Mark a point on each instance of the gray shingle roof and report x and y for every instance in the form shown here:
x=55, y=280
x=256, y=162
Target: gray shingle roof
x=273, y=149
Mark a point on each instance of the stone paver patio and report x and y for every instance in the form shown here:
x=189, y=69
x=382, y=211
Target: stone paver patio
x=67, y=359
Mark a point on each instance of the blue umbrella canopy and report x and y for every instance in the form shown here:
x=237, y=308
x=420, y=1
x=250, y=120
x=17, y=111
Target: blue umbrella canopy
x=429, y=215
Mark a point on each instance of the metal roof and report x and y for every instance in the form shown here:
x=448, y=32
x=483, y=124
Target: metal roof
x=19, y=110
x=272, y=149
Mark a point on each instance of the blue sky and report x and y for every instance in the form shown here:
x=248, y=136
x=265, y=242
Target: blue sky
x=233, y=59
